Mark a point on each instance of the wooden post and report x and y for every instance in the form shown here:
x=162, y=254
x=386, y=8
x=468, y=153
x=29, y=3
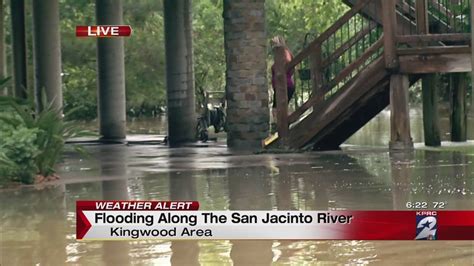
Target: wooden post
x=458, y=107
x=430, y=110
x=389, y=31
x=281, y=91
x=422, y=16
x=316, y=73
x=400, y=113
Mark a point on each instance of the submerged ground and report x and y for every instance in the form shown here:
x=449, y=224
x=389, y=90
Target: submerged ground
x=38, y=223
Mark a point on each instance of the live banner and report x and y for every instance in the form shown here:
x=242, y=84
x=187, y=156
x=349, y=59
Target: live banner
x=180, y=220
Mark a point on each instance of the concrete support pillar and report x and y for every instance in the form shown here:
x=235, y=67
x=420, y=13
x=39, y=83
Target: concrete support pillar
x=17, y=10
x=472, y=58
x=458, y=107
x=180, y=72
x=47, y=53
x=111, y=73
x=430, y=110
x=400, y=113
x=246, y=82
x=3, y=65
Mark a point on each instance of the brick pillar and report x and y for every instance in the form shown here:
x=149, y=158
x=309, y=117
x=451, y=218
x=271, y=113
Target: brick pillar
x=246, y=82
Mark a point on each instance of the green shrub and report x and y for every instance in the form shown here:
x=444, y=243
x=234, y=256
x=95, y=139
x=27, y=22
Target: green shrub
x=18, y=151
x=32, y=142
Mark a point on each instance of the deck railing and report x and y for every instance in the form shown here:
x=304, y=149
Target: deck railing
x=438, y=22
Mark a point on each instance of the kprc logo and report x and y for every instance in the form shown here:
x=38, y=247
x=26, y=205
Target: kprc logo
x=426, y=225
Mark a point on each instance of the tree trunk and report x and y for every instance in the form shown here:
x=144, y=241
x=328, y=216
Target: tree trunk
x=180, y=72
x=111, y=73
x=19, y=48
x=47, y=53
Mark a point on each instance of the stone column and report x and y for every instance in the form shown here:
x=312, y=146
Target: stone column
x=111, y=73
x=17, y=10
x=246, y=73
x=180, y=72
x=47, y=52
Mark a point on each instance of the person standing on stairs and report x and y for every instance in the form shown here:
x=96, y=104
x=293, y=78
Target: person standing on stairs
x=280, y=41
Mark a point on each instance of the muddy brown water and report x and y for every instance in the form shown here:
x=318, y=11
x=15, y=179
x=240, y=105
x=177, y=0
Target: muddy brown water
x=37, y=225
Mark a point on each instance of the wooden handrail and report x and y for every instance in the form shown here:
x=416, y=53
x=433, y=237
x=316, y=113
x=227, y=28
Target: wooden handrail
x=326, y=34
x=352, y=41
x=357, y=63
x=343, y=74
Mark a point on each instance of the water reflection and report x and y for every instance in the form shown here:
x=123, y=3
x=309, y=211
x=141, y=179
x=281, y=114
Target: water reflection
x=114, y=252
x=250, y=190
x=401, y=166
x=183, y=187
x=32, y=227
x=377, y=131
x=37, y=225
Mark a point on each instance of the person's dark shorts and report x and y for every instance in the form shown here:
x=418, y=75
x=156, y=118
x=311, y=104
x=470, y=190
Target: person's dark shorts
x=291, y=91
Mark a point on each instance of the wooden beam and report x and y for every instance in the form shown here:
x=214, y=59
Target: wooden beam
x=425, y=64
x=430, y=97
x=458, y=49
x=389, y=31
x=458, y=107
x=400, y=114
x=281, y=91
x=422, y=16
x=425, y=39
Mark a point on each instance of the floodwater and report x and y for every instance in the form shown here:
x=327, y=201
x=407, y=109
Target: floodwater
x=37, y=224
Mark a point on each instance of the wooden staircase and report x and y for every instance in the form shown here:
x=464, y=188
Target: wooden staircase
x=351, y=70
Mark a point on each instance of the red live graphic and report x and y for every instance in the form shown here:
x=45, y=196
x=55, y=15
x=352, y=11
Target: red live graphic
x=104, y=31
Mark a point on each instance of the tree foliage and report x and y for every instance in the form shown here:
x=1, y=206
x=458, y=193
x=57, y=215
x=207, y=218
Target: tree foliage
x=145, y=54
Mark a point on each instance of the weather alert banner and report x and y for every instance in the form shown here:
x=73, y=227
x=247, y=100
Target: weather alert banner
x=174, y=220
